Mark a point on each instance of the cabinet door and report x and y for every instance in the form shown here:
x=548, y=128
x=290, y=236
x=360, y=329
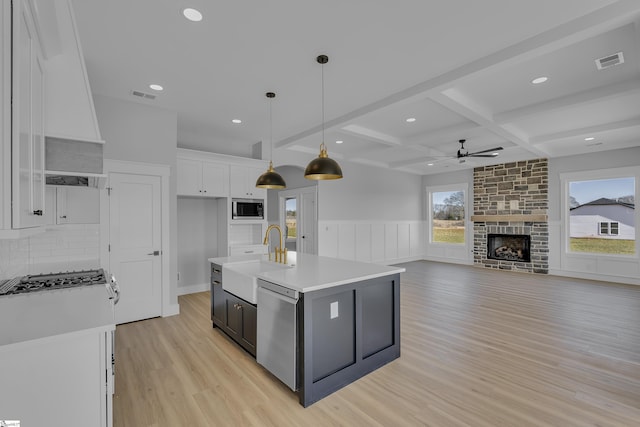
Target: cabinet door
x=238, y=181
x=215, y=179
x=28, y=122
x=249, y=326
x=218, y=297
x=189, y=177
x=234, y=316
x=77, y=205
x=243, y=182
x=252, y=176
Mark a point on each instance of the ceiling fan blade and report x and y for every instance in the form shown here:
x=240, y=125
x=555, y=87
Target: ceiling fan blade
x=483, y=155
x=486, y=151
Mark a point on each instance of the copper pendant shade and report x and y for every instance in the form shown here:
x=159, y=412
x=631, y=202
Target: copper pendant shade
x=323, y=167
x=270, y=179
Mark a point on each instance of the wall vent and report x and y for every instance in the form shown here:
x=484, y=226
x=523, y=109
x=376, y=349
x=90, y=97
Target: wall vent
x=143, y=95
x=609, y=61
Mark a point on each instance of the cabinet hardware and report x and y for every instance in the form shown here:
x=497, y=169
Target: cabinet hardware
x=63, y=216
x=38, y=212
x=154, y=253
x=216, y=282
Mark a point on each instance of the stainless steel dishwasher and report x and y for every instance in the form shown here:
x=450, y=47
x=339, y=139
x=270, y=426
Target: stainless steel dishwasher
x=276, y=344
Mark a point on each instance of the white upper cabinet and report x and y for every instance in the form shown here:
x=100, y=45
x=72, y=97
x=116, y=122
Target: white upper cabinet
x=70, y=112
x=28, y=115
x=202, y=178
x=243, y=182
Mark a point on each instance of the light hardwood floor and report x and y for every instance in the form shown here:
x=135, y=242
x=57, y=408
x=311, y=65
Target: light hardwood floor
x=479, y=348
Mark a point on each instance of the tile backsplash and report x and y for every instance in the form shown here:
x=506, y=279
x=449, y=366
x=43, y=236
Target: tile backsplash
x=59, y=248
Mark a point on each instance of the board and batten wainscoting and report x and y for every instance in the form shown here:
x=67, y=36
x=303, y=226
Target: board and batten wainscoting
x=384, y=242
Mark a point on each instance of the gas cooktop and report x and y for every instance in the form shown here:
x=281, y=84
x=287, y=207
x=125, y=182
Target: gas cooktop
x=41, y=282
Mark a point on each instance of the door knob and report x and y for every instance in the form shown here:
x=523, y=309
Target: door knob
x=154, y=253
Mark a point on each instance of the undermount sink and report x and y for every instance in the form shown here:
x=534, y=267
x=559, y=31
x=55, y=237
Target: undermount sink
x=240, y=278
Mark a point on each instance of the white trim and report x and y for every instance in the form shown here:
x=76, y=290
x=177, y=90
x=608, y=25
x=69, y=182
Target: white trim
x=461, y=253
x=138, y=168
x=596, y=266
x=192, y=289
x=595, y=276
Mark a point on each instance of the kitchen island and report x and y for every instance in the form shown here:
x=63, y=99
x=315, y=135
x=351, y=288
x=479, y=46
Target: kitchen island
x=321, y=322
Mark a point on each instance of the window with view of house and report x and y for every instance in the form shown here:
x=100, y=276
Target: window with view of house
x=602, y=215
x=447, y=216
x=609, y=228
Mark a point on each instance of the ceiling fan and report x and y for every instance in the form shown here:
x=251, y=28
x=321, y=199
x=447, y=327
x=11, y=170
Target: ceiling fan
x=462, y=152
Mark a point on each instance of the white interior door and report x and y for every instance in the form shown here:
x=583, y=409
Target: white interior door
x=135, y=240
x=299, y=218
x=307, y=239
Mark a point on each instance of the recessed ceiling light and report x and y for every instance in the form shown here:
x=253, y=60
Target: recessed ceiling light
x=236, y=121
x=539, y=80
x=410, y=120
x=192, y=14
x=429, y=164
x=339, y=142
x=589, y=138
x=156, y=87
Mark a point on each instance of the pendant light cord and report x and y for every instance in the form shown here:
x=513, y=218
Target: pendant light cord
x=271, y=130
x=322, y=74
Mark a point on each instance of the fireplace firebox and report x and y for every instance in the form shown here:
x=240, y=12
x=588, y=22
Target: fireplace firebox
x=509, y=247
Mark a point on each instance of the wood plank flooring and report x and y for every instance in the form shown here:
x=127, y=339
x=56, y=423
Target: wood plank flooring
x=479, y=348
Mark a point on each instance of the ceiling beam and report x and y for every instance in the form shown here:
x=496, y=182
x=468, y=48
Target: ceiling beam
x=449, y=133
x=598, y=94
x=361, y=131
x=587, y=131
x=459, y=103
x=582, y=28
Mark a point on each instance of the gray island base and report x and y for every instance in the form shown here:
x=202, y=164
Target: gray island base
x=363, y=337
x=332, y=322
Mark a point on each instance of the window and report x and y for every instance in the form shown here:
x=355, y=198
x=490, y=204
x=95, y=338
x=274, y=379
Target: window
x=601, y=212
x=604, y=228
x=291, y=222
x=447, y=216
x=609, y=228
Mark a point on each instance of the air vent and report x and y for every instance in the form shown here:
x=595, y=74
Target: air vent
x=143, y=95
x=609, y=61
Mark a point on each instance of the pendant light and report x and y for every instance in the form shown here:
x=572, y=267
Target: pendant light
x=323, y=167
x=270, y=179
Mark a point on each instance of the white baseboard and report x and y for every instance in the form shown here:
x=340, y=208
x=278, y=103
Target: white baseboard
x=448, y=260
x=401, y=260
x=192, y=289
x=171, y=310
x=599, y=277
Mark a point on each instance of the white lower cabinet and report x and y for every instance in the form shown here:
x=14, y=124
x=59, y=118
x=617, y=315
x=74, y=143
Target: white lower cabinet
x=64, y=380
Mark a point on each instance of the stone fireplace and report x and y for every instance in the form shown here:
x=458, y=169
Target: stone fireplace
x=510, y=227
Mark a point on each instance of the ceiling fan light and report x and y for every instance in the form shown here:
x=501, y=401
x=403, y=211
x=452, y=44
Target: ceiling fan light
x=323, y=167
x=271, y=179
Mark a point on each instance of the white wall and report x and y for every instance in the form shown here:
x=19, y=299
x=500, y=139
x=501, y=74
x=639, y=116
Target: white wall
x=626, y=271
x=143, y=133
x=197, y=241
x=294, y=178
x=372, y=215
x=602, y=267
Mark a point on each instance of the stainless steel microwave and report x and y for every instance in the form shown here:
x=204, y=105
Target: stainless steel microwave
x=247, y=209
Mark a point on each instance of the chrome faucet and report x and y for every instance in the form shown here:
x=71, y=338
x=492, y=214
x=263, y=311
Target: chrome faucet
x=281, y=253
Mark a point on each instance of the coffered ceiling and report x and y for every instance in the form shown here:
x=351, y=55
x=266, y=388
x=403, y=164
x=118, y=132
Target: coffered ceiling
x=462, y=68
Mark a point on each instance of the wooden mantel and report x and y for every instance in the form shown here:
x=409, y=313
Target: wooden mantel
x=513, y=218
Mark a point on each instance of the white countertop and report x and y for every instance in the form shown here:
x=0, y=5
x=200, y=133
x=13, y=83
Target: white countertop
x=311, y=272
x=34, y=315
